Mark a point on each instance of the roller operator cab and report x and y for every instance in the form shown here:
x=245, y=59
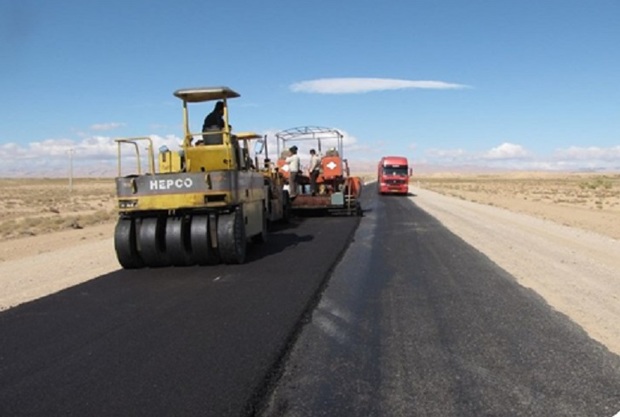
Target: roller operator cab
x=393, y=175
x=199, y=204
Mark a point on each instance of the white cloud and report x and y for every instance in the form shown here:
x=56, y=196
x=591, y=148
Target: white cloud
x=509, y=156
x=448, y=154
x=106, y=126
x=96, y=156
x=576, y=153
x=90, y=155
x=364, y=85
x=507, y=151
x=348, y=139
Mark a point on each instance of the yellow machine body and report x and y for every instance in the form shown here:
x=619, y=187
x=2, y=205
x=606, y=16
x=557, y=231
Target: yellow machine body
x=199, y=193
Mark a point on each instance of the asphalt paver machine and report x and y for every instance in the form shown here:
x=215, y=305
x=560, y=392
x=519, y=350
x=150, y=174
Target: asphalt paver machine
x=337, y=191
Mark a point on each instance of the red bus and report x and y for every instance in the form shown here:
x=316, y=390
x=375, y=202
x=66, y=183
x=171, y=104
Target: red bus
x=393, y=175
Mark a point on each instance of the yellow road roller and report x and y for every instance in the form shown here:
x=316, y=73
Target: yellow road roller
x=198, y=205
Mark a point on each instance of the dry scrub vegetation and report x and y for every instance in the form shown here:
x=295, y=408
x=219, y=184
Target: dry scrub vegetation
x=586, y=201
x=31, y=207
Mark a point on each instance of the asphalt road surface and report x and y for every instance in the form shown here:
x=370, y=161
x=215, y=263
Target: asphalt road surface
x=414, y=322
x=199, y=341
x=411, y=322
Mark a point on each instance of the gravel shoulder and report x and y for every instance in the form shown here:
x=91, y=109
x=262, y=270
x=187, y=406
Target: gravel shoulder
x=36, y=266
x=574, y=270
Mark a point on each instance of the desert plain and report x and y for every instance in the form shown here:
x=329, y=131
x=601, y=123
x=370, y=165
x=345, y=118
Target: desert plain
x=39, y=207
x=583, y=200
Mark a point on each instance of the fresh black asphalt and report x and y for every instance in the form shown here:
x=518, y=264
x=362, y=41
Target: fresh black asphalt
x=199, y=341
x=411, y=321
x=415, y=322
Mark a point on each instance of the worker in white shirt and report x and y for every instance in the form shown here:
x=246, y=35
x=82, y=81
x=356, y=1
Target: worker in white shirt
x=313, y=170
x=293, y=170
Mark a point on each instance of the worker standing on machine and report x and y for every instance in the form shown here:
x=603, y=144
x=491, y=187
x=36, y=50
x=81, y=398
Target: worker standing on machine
x=293, y=170
x=313, y=170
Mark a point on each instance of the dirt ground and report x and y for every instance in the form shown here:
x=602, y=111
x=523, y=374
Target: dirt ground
x=585, y=201
x=33, y=207
x=558, y=234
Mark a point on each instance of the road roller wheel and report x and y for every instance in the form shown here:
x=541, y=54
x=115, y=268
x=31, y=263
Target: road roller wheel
x=231, y=237
x=151, y=241
x=202, y=252
x=178, y=241
x=125, y=244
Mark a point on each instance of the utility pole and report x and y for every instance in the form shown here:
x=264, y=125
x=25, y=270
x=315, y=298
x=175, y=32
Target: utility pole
x=71, y=152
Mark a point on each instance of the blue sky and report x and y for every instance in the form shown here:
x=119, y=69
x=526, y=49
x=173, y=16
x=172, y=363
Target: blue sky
x=520, y=84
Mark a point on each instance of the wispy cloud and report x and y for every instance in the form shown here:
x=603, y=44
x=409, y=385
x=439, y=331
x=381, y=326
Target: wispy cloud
x=507, y=151
x=96, y=156
x=52, y=155
x=448, y=154
x=576, y=153
x=365, y=85
x=514, y=156
x=106, y=126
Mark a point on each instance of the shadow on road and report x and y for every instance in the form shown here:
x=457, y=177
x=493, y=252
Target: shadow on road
x=276, y=243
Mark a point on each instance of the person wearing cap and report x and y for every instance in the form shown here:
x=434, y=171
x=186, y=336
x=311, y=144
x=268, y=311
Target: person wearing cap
x=313, y=170
x=293, y=163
